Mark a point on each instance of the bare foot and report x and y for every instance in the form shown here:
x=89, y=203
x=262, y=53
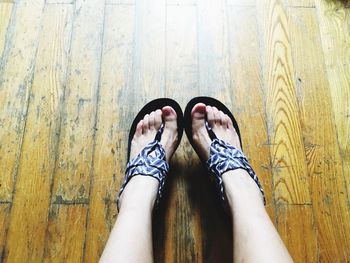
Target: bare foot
x=237, y=182
x=220, y=123
x=144, y=188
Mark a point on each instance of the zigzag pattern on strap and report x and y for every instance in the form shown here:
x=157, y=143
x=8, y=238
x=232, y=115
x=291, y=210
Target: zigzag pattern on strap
x=150, y=161
x=225, y=157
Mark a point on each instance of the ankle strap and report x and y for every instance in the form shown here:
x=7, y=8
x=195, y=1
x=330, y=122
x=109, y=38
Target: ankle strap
x=224, y=157
x=150, y=161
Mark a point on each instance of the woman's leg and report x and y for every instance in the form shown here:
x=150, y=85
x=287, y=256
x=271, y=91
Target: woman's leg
x=131, y=237
x=255, y=237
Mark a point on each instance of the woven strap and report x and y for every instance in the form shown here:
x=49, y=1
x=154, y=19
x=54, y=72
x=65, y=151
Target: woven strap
x=225, y=157
x=151, y=161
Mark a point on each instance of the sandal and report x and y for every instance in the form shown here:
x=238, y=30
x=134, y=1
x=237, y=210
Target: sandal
x=223, y=156
x=151, y=160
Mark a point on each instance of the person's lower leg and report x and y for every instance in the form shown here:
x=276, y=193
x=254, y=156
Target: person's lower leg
x=255, y=238
x=131, y=237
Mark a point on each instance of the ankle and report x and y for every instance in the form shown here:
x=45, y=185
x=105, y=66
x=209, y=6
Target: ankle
x=241, y=190
x=140, y=192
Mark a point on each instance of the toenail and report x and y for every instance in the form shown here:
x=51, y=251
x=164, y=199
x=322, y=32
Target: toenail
x=166, y=112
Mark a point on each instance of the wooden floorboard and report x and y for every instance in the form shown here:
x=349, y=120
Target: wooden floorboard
x=74, y=73
x=32, y=197
x=116, y=70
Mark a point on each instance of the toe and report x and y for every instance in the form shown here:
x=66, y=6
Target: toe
x=217, y=119
x=227, y=121
x=157, y=119
x=230, y=123
x=198, y=118
x=169, y=136
x=151, y=120
x=200, y=135
x=145, y=126
x=223, y=118
x=138, y=131
x=210, y=116
x=198, y=114
x=169, y=114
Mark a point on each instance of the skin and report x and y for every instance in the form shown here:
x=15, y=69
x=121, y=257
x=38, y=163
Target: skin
x=255, y=237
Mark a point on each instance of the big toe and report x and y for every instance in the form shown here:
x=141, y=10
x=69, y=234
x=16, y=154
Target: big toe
x=198, y=116
x=169, y=138
x=169, y=115
x=199, y=132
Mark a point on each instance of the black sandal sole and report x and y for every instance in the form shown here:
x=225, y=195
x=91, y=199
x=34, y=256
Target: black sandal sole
x=211, y=102
x=153, y=106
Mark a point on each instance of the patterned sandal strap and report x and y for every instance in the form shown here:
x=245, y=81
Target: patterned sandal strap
x=225, y=157
x=151, y=161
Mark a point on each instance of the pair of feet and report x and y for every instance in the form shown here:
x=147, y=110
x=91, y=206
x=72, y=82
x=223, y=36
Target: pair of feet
x=146, y=131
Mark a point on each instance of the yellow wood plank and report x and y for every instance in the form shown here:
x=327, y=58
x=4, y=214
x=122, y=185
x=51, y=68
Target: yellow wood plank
x=73, y=166
x=297, y=229
x=4, y=221
x=182, y=220
x=15, y=78
x=248, y=97
x=214, y=74
x=327, y=184
x=5, y=15
x=31, y=201
x=111, y=143
x=335, y=36
x=182, y=55
x=149, y=58
x=66, y=234
x=287, y=154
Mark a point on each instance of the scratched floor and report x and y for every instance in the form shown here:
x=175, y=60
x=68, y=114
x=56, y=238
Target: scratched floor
x=73, y=73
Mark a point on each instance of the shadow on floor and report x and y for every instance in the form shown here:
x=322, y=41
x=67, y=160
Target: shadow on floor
x=200, y=229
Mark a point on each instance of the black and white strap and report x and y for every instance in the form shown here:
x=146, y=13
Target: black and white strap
x=225, y=157
x=151, y=161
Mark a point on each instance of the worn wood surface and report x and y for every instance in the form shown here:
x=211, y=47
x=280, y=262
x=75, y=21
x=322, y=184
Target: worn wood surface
x=74, y=73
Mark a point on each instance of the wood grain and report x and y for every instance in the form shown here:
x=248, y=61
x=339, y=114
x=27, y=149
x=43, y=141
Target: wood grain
x=300, y=3
x=17, y=63
x=299, y=235
x=111, y=147
x=5, y=15
x=287, y=154
x=335, y=36
x=66, y=234
x=120, y=2
x=327, y=184
x=247, y=94
x=4, y=222
x=31, y=201
x=182, y=82
x=213, y=54
x=74, y=73
x=174, y=243
x=148, y=78
x=73, y=166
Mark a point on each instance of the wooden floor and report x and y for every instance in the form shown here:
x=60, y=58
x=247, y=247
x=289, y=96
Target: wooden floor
x=73, y=74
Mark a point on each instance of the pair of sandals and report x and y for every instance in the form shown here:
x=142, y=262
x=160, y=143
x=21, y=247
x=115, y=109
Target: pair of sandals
x=151, y=160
